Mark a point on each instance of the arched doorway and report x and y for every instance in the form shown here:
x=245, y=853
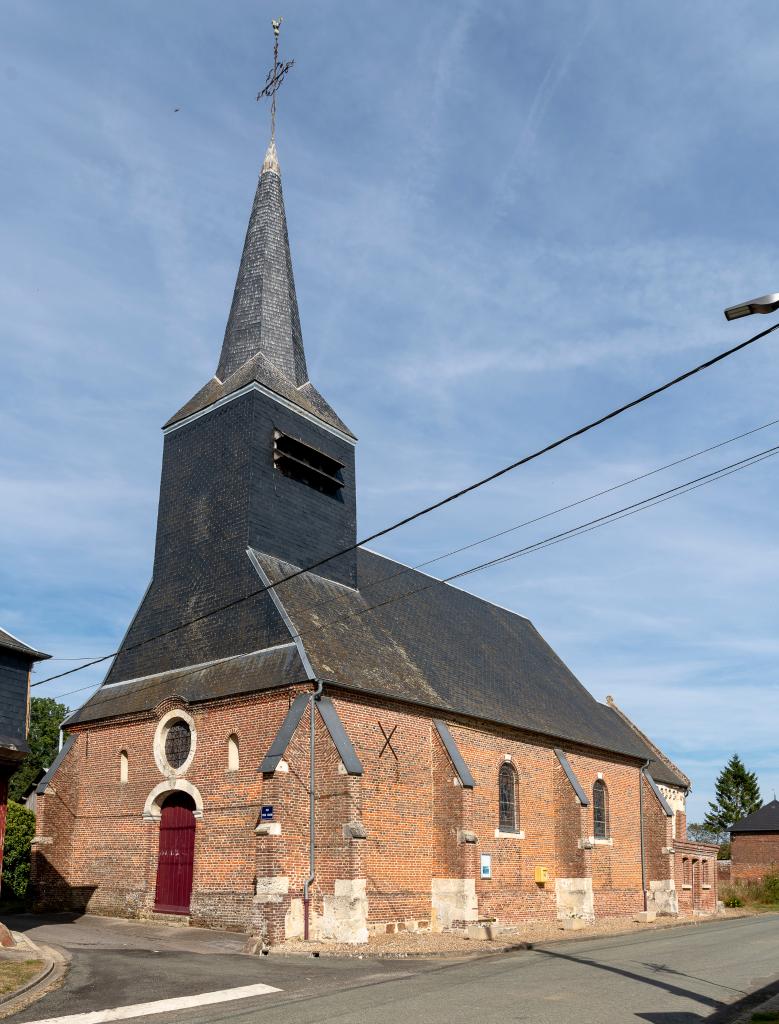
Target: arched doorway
x=176, y=855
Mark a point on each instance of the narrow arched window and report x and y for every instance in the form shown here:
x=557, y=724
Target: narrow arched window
x=600, y=810
x=124, y=766
x=704, y=872
x=685, y=871
x=233, y=759
x=508, y=818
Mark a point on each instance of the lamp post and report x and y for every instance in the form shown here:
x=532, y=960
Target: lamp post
x=764, y=304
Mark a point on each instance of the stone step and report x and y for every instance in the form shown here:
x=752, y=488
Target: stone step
x=174, y=920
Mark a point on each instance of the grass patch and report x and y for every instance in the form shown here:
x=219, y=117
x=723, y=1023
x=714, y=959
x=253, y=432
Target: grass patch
x=15, y=973
x=762, y=894
x=765, y=1015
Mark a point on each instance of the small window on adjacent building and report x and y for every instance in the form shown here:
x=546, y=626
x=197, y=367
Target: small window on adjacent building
x=124, y=766
x=600, y=810
x=508, y=819
x=233, y=759
x=308, y=465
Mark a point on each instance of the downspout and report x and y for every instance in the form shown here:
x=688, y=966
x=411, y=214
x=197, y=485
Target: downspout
x=641, y=828
x=316, y=694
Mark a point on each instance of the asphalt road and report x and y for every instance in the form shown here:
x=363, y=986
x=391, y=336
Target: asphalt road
x=674, y=976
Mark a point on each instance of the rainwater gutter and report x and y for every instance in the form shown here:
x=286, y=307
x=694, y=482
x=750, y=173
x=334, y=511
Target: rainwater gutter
x=641, y=829
x=315, y=695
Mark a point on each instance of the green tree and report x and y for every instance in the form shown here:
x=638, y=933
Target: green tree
x=46, y=716
x=738, y=794
x=19, y=830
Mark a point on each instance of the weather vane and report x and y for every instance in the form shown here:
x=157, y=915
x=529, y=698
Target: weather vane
x=275, y=77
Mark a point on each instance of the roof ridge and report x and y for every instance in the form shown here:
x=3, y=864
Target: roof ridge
x=444, y=583
x=643, y=736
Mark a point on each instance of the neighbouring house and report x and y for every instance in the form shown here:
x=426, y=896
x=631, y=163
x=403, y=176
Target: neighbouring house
x=754, y=844
x=16, y=661
x=460, y=770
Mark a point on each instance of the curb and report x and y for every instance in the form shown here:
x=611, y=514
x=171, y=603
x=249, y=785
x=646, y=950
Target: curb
x=53, y=971
x=42, y=975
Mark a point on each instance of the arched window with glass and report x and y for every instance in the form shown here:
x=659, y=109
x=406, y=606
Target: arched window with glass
x=508, y=811
x=600, y=810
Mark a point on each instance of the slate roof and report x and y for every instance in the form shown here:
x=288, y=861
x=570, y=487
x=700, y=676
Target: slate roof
x=246, y=673
x=766, y=819
x=440, y=647
x=445, y=648
x=263, y=340
x=10, y=642
x=260, y=369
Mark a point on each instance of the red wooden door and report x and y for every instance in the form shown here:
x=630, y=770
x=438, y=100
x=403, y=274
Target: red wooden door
x=176, y=856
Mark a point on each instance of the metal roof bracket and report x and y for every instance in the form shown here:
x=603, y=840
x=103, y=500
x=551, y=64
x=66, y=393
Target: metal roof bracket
x=663, y=802
x=455, y=756
x=584, y=800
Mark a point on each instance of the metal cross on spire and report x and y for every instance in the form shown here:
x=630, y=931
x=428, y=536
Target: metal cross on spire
x=275, y=77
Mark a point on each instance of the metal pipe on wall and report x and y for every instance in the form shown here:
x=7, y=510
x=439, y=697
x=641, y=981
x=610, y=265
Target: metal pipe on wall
x=316, y=694
x=641, y=829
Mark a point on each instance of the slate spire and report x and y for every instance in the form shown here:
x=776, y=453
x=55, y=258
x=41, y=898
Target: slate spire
x=264, y=314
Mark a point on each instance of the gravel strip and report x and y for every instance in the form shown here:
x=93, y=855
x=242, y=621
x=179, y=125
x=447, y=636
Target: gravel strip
x=404, y=944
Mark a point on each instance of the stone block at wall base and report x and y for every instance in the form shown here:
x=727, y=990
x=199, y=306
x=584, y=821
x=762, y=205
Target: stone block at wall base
x=345, y=914
x=574, y=899
x=572, y=924
x=645, y=917
x=662, y=898
x=452, y=899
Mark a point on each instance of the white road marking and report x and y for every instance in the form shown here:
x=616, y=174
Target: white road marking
x=162, y=1006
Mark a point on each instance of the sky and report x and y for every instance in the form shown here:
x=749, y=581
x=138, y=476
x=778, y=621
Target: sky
x=506, y=219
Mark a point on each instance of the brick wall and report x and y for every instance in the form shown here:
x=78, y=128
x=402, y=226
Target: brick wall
x=96, y=849
x=754, y=855
x=695, y=867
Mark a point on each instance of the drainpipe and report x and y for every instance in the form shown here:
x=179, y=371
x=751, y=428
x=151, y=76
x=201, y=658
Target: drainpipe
x=641, y=828
x=316, y=694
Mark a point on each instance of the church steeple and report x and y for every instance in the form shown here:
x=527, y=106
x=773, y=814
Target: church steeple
x=264, y=315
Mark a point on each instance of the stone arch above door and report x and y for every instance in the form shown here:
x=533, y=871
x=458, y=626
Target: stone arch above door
x=152, y=809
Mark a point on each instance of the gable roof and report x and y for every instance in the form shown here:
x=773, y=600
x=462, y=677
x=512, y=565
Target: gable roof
x=12, y=643
x=766, y=819
x=406, y=635
x=409, y=637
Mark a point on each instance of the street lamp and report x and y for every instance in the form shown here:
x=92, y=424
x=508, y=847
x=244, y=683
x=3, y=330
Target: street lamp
x=765, y=304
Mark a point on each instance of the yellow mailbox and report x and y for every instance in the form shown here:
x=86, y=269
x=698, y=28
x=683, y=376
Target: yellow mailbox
x=542, y=875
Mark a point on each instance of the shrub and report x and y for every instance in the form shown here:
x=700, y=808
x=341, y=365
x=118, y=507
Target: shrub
x=765, y=892
x=20, y=828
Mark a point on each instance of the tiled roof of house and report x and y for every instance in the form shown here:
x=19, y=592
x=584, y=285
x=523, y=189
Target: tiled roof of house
x=766, y=819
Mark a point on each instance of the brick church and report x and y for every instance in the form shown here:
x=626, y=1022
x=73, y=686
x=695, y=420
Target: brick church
x=344, y=750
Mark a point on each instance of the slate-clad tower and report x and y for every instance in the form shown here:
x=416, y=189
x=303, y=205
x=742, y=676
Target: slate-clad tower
x=256, y=460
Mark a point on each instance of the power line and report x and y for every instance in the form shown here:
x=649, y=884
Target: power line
x=622, y=513
x=438, y=504
x=537, y=519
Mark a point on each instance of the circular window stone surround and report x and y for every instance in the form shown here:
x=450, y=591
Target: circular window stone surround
x=161, y=735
